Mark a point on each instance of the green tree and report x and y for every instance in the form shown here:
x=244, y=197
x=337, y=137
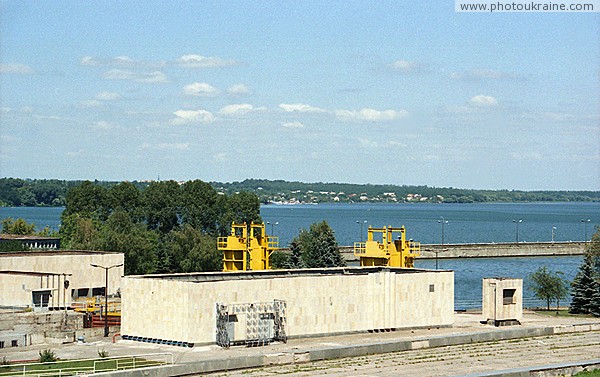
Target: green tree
x=87, y=200
x=199, y=206
x=18, y=226
x=549, y=286
x=135, y=241
x=319, y=247
x=78, y=232
x=278, y=259
x=161, y=203
x=585, y=286
x=126, y=197
x=193, y=251
x=295, y=259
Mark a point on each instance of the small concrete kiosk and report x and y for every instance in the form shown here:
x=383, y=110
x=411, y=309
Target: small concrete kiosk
x=502, y=301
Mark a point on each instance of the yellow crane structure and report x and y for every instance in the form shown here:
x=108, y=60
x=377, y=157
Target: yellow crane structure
x=247, y=248
x=389, y=252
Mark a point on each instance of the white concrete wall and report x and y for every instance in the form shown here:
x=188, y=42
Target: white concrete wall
x=493, y=305
x=160, y=308
x=77, y=264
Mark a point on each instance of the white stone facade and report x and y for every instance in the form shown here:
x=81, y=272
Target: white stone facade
x=182, y=307
x=22, y=273
x=502, y=300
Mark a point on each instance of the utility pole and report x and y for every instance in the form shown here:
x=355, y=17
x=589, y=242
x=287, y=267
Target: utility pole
x=106, y=294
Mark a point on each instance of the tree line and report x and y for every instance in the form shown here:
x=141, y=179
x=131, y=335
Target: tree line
x=15, y=192
x=167, y=227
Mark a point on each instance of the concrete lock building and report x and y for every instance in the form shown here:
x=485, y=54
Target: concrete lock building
x=502, y=301
x=45, y=280
x=256, y=307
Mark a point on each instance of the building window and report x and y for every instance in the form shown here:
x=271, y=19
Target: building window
x=83, y=292
x=14, y=343
x=98, y=291
x=1, y=343
x=509, y=296
x=431, y=287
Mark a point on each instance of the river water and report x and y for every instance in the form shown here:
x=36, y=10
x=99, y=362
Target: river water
x=466, y=223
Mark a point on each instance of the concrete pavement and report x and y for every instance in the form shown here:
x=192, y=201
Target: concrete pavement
x=423, y=343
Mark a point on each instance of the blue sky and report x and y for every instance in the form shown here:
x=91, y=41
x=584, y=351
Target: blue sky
x=361, y=92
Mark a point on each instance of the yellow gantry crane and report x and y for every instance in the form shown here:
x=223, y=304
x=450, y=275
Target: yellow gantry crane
x=247, y=248
x=389, y=252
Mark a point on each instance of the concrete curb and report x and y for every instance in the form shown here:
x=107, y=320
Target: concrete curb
x=565, y=369
x=355, y=350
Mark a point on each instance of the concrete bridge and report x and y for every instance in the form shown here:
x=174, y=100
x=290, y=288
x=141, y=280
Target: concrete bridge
x=490, y=250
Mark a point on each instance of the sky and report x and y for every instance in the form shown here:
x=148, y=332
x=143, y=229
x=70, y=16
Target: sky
x=382, y=92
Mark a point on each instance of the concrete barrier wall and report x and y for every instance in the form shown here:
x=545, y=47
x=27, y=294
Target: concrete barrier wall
x=490, y=250
x=317, y=304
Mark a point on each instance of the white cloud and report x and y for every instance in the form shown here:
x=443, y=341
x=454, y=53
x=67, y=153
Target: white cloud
x=370, y=115
x=221, y=157
x=300, y=107
x=199, y=61
x=293, y=125
x=238, y=89
x=366, y=143
x=408, y=67
x=200, y=89
x=151, y=77
x=5, y=109
x=166, y=146
x=16, y=69
x=238, y=109
x=525, y=156
x=192, y=116
x=91, y=103
x=89, y=61
x=108, y=96
x=484, y=74
x=118, y=61
x=482, y=100
x=103, y=125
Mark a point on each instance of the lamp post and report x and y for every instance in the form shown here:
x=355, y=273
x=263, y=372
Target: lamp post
x=272, y=225
x=585, y=222
x=517, y=222
x=106, y=294
x=553, y=230
x=361, y=228
x=443, y=222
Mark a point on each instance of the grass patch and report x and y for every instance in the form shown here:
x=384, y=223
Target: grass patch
x=72, y=367
x=561, y=313
x=592, y=373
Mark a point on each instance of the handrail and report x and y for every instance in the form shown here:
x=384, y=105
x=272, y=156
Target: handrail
x=120, y=362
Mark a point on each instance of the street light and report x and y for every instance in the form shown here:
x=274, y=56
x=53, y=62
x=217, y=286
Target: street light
x=553, y=229
x=272, y=225
x=106, y=294
x=585, y=222
x=361, y=228
x=517, y=222
x=443, y=222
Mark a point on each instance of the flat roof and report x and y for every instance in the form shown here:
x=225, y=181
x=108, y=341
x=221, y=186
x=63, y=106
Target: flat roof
x=46, y=253
x=199, y=277
x=30, y=273
x=20, y=237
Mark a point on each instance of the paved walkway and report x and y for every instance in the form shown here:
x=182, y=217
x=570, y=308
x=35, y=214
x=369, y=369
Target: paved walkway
x=439, y=361
x=448, y=361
